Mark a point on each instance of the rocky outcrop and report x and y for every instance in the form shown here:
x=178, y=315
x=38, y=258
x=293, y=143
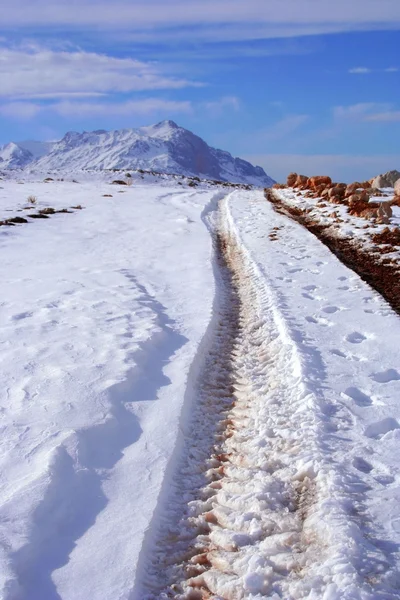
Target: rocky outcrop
x=356, y=196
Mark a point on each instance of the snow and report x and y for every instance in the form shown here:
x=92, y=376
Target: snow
x=101, y=322
x=122, y=337
x=164, y=147
x=342, y=224
x=344, y=340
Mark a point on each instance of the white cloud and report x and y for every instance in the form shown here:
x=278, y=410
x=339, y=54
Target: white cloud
x=389, y=116
x=360, y=70
x=360, y=112
x=253, y=18
x=78, y=109
x=282, y=128
x=217, y=107
x=20, y=110
x=46, y=73
x=367, y=71
x=340, y=167
x=131, y=107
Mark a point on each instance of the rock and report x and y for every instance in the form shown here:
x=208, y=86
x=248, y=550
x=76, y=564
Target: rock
x=276, y=186
x=17, y=220
x=352, y=187
x=314, y=182
x=385, y=210
x=386, y=180
x=336, y=192
x=397, y=187
x=353, y=200
x=291, y=180
x=300, y=181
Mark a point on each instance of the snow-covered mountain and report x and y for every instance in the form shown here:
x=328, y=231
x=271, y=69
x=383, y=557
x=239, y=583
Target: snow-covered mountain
x=164, y=147
x=13, y=156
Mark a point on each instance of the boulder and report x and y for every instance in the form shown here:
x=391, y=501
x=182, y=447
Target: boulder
x=397, y=187
x=386, y=180
x=291, y=180
x=301, y=181
x=314, y=182
x=362, y=209
x=385, y=210
x=352, y=188
x=337, y=192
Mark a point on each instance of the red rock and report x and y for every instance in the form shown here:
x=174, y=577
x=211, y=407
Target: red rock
x=301, y=181
x=291, y=180
x=352, y=187
x=314, y=182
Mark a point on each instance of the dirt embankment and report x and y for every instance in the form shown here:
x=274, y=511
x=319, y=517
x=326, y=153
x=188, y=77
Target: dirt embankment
x=381, y=274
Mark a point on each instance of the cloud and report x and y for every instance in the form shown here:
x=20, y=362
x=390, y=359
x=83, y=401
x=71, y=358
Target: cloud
x=389, y=116
x=282, y=128
x=205, y=19
x=131, y=107
x=42, y=73
x=76, y=109
x=362, y=111
x=217, y=107
x=360, y=70
x=20, y=110
x=340, y=167
x=367, y=71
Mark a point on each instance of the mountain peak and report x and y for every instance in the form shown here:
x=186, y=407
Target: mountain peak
x=167, y=123
x=163, y=147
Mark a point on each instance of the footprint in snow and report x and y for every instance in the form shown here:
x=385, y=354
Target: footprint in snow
x=330, y=309
x=341, y=354
x=362, y=465
x=21, y=316
x=310, y=288
x=358, y=396
x=386, y=376
x=318, y=321
x=355, y=337
x=381, y=428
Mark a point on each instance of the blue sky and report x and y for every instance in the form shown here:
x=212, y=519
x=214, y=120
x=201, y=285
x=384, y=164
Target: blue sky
x=305, y=85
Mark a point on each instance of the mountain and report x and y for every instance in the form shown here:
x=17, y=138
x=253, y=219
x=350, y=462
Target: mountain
x=164, y=147
x=13, y=156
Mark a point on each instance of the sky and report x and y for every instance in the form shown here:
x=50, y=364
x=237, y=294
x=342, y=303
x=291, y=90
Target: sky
x=306, y=85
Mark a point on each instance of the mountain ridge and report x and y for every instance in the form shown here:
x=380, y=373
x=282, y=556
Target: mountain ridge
x=164, y=147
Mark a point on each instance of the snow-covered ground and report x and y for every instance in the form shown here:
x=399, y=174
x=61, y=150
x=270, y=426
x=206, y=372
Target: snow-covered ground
x=344, y=225
x=114, y=332
x=102, y=314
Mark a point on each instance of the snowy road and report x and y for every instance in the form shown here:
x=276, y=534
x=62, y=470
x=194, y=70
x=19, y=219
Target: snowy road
x=196, y=403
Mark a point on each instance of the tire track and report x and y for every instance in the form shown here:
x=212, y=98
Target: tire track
x=236, y=524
